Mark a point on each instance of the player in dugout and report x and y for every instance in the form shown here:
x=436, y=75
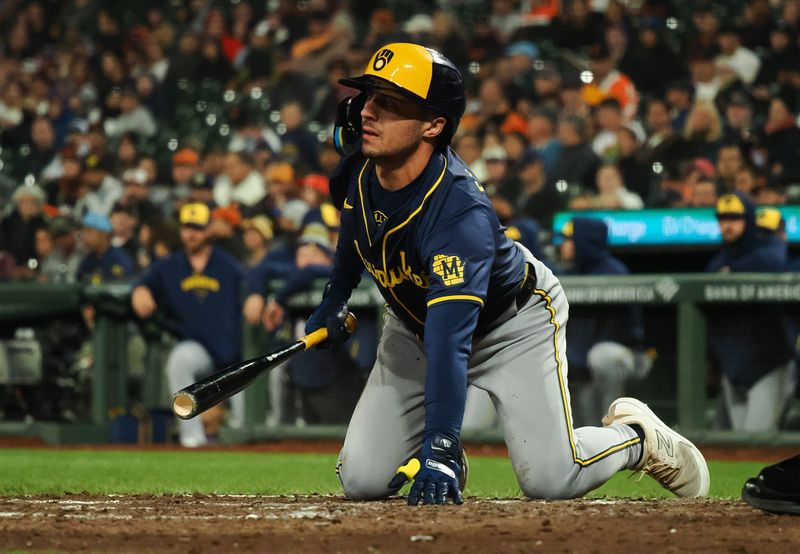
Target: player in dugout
x=466, y=305
x=198, y=289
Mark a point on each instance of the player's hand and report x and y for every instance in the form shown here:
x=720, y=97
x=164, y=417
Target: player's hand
x=273, y=315
x=435, y=472
x=143, y=302
x=253, y=308
x=332, y=316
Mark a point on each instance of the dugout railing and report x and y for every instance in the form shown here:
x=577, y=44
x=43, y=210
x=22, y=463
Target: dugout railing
x=680, y=385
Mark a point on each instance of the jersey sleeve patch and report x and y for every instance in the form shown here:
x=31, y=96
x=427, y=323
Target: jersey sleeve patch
x=449, y=268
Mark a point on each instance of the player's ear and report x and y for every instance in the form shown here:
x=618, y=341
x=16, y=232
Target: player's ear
x=434, y=127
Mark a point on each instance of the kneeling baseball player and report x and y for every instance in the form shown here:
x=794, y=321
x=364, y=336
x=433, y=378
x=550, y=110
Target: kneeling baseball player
x=466, y=305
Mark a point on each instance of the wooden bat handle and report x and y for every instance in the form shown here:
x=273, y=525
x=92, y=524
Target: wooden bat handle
x=321, y=335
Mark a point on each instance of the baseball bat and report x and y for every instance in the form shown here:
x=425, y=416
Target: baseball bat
x=202, y=395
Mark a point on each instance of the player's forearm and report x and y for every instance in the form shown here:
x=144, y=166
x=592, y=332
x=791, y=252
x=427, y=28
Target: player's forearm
x=347, y=267
x=448, y=342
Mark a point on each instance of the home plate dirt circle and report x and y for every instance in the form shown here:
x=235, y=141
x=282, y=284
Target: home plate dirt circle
x=209, y=523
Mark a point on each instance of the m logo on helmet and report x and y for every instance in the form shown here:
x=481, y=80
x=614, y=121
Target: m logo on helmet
x=383, y=57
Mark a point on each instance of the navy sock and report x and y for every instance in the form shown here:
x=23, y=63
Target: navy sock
x=640, y=432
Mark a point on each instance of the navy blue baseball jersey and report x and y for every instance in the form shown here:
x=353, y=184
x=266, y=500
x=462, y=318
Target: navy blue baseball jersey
x=114, y=265
x=440, y=258
x=206, y=306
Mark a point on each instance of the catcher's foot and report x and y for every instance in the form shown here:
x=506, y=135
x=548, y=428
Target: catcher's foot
x=776, y=489
x=667, y=457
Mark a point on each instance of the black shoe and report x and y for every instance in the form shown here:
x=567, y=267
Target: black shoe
x=776, y=489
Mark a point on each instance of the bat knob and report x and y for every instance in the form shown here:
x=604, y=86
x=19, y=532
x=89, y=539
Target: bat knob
x=184, y=405
x=350, y=322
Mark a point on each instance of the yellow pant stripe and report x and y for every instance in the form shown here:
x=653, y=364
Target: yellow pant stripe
x=565, y=401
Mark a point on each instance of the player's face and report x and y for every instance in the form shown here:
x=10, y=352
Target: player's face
x=731, y=228
x=193, y=239
x=392, y=125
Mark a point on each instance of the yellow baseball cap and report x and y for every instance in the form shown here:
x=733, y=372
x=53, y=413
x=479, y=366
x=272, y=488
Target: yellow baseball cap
x=195, y=215
x=769, y=218
x=730, y=205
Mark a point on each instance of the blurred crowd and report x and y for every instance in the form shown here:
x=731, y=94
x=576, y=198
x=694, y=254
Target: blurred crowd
x=130, y=110
x=116, y=115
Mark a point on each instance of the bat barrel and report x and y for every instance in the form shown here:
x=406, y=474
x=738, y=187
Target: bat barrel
x=208, y=392
x=202, y=395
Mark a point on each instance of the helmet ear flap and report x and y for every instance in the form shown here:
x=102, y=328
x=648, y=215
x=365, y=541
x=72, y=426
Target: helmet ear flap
x=347, y=129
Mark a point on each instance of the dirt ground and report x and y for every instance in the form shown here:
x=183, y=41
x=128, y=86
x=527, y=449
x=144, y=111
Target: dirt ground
x=321, y=524
x=318, y=524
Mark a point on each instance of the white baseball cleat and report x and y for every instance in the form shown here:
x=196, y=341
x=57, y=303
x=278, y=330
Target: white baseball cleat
x=667, y=457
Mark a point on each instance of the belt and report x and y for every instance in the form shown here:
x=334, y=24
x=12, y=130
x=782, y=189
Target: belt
x=527, y=286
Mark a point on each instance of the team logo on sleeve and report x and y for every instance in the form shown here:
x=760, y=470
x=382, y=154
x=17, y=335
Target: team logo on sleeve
x=383, y=57
x=449, y=268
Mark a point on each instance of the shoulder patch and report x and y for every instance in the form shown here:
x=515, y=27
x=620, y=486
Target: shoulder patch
x=449, y=268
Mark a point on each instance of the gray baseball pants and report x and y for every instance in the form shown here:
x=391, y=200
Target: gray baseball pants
x=521, y=363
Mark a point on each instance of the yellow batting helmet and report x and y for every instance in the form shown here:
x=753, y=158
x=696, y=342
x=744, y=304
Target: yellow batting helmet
x=421, y=74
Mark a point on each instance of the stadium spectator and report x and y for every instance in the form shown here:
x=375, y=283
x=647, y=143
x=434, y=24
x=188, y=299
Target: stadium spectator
x=611, y=191
x=199, y=289
x=133, y=118
x=468, y=148
x=734, y=59
x=18, y=229
x=495, y=162
x=577, y=163
x=61, y=264
x=608, y=82
x=299, y=145
x=577, y=27
x=703, y=193
x=608, y=117
x=542, y=126
x=101, y=190
x=782, y=57
x=705, y=76
x=782, y=140
x=703, y=131
x=546, y=86
x=632, y=163
x=650, y=61
x=213, y=65
x=138, y=196
x=239, y=183
x=530, y=192
x=745, y=181
x=104, y=263
x=43, y=143
x=755, y=372
x=124, y=223
x=729, y=162
x=225, y=231
x=257, y=234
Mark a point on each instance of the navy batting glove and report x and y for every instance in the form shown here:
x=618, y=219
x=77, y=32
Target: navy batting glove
x=331, y=315
x=437, y=478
